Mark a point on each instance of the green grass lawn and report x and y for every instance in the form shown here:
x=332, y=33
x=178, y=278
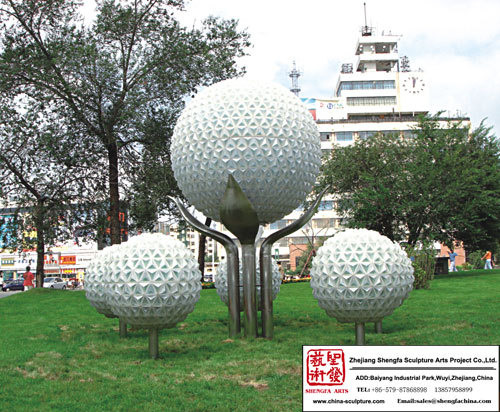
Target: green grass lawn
x=58, y=353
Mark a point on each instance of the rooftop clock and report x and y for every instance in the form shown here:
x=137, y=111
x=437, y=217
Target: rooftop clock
x=413, y=84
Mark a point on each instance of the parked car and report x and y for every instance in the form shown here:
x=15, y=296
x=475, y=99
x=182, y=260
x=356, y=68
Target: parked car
x=54, y=283
x=16, y=284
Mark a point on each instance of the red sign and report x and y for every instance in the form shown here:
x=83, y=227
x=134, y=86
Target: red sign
x=68, y=260
x=325, y=367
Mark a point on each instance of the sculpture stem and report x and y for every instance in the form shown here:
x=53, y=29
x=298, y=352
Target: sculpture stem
x=266, y=293
x=249, y=290
x=360, y=333
x=122, y=325
x=233, y=289
x=378, y=326
x=266, y=281
x=153, y=343
x=233, y=281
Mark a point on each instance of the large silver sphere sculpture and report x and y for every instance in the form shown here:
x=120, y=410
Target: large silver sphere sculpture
x=222, y=289
x=260, y=133
x=361, y=276
x=245, y=153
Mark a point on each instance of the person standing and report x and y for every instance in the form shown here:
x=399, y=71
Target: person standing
x=28, y=279
x=487, y=257
x=453, y=267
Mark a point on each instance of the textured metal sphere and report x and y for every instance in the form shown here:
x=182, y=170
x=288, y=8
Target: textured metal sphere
x=154, y=281
x=361, y=276
x=260, y=133
x=222, y=288
x=96, y=279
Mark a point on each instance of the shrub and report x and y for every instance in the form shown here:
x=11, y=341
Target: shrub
x=465, y=266
x=474, y=259
x=424, y=263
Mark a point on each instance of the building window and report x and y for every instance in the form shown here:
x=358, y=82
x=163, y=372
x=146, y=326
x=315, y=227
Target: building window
x=321, y=223
x=409, y=134
x=326, y=205
x=282, y=242
x=279, y=224
x=371, y=101
x=343, y=136
x=367, y=85
x=366, y=135
x=324, y=136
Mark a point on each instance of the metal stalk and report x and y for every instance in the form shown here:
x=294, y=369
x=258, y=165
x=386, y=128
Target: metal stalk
x=266, y=281
x=153, y=343
x=122, y=325
x=378, y=326
x=360, y=333
x=249, y=290
x=233, y=281
x=240, y=218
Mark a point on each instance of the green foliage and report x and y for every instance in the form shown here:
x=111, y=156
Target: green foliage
x=424, y=262
x=107, y=82
x=77, y=350
x=443, y=184
x=474, y=259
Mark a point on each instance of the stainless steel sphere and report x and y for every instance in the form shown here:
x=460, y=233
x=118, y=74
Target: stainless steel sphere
x=96, y=281
x=154, y=281
x=261, y=133
x=222, y=287
x=361, y=276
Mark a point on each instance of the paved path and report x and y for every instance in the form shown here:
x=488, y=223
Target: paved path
x=5, y=294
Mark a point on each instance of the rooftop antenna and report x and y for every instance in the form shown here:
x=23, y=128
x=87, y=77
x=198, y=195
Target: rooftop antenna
x=365, y=30
x=294, y=75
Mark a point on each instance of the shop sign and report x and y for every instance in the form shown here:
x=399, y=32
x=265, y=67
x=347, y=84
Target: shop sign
x=8, y=261
x=68, y=260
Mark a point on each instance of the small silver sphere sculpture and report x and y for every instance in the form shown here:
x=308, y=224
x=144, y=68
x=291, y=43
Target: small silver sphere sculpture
x=96, y=282
x=361, y=276
x=222, y=289
x=151, y=281
x=260, y=133
x=154, y=281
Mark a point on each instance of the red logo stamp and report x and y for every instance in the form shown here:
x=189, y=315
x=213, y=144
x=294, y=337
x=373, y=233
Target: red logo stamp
x=325, y=367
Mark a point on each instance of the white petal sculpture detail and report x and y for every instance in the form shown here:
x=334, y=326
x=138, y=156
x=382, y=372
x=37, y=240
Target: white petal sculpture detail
x=361, y=276
x=261, y=133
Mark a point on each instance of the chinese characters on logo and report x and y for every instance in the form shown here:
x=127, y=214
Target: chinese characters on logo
x=325, y=367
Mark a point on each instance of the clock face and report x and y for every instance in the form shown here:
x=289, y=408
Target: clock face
x=413, y=84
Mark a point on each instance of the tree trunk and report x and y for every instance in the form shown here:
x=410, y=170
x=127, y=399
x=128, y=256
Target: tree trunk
x=201, y=250
x=40, y=244
x=114, y=195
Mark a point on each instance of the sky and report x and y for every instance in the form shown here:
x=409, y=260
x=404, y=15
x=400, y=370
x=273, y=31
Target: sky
x=455, y=42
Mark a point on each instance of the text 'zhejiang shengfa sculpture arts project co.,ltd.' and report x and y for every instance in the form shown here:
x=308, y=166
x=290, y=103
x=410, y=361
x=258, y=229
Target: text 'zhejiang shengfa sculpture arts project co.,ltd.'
x=361, y=276
x=246, y=153
x=152, y=282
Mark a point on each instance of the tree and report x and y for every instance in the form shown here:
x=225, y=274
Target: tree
x=107, y=79
x=44, y=173
x=443, y=184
